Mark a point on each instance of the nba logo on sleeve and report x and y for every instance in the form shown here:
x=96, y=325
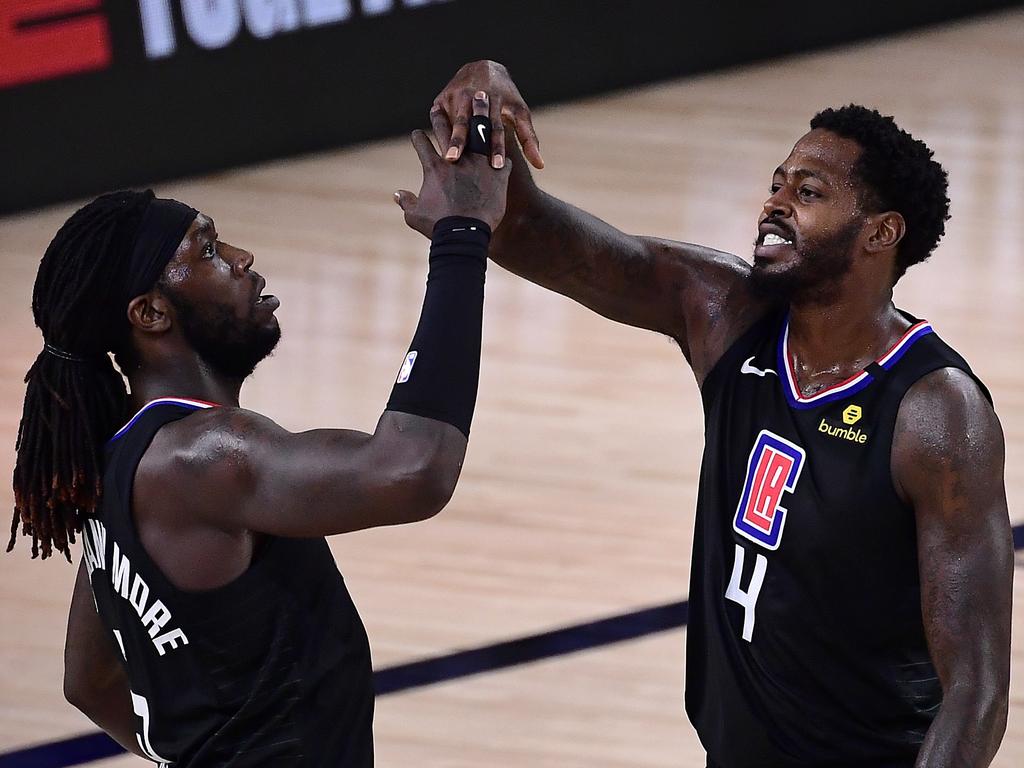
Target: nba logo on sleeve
x=772, y=470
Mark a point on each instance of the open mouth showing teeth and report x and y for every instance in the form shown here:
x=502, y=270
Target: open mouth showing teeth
x=773, y=239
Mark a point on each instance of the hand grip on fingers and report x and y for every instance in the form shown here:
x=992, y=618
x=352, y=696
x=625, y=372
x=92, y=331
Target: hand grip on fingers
x=479, y=139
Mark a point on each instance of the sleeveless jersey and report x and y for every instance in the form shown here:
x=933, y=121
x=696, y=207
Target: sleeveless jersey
x=270, y=669
x=805, y=644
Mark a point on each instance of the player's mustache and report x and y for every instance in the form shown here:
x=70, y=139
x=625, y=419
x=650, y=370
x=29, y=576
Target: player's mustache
x=776, y=222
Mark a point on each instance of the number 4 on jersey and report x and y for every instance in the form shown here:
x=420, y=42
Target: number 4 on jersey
x=772, y=470
x=746, y=597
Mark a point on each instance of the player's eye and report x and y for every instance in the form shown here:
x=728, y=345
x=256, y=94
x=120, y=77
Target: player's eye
x=808, y=192
x=774, y=188
x=210, y=250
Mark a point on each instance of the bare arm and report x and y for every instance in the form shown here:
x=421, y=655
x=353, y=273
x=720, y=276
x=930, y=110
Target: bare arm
x=948, y=460
x=94, y=678
x=228, y=470
x=694, y=294
x=240, y=470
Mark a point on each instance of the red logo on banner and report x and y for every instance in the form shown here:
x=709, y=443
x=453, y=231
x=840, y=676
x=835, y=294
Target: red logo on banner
x=43, y=39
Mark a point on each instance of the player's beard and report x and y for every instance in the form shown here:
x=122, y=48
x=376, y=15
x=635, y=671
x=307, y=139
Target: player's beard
x=820, y=267
x=230, y=346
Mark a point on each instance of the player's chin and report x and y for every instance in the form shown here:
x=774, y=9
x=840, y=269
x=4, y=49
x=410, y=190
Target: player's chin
x=772, y=280
x=778, y=256
x=272, y=328
x=262, y=318
x=772, y=265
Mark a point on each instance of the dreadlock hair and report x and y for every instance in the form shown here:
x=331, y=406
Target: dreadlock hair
x=75, y=398
x=898, y=174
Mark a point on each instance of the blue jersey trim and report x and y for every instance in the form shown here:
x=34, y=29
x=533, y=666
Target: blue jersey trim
x=851, y=386
x=179, y=401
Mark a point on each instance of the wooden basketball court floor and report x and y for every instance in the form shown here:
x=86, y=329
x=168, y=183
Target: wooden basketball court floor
x=577, y=498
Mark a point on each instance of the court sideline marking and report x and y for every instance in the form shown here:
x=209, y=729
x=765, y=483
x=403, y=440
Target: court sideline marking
x=418, y=674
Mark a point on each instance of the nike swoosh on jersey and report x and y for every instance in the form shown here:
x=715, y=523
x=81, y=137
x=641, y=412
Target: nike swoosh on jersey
x=748, y=368
x=480, y=130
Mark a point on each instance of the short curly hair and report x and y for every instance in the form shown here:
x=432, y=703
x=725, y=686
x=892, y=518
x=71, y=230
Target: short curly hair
x=898, y=174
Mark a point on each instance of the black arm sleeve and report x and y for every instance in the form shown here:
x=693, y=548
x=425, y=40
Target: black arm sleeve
x=441, y=370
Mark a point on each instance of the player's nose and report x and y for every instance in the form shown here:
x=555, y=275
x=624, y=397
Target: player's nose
x=776, y=205
x=243, y=260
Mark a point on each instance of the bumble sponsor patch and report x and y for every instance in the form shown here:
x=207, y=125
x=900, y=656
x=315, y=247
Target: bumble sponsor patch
x=858, y=436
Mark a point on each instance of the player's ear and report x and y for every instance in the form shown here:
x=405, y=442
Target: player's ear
x=886, y=231
x=150, y=312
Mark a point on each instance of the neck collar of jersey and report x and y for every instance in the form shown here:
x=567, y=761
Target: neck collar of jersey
x=182, y=402
x=851, y=385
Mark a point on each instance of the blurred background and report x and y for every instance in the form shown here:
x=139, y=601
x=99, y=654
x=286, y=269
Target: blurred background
x=98, y=94
x=539, y=621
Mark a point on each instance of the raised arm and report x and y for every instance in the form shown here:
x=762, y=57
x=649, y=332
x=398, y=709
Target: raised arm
x=243, y=471
x=948, y=464
x=240, y=471
x=694, y=294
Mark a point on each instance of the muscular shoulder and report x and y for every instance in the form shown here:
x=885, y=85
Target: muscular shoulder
x=718, y=270
x=946, y=435
x=713, y=294
x=208, y=455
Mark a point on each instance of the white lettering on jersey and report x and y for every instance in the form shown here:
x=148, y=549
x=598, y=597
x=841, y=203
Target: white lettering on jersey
x=139, y=595
x=141, y=707
x=154, y=616
x=119, y=577
x=746, y=597
x=172, y=638
x=94, y=545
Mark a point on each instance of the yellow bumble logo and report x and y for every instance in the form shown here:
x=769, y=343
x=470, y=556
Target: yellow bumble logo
x=852, y=414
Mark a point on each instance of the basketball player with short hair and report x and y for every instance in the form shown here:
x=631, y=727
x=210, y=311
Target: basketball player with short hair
x=209, y=624
x=851, y=578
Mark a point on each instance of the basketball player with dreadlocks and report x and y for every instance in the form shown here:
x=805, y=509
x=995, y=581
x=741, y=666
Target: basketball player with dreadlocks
x=209, y=624
x=852, y=565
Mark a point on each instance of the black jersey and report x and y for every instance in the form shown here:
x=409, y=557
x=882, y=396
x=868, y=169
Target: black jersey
x=270, y=669
x=805, y=644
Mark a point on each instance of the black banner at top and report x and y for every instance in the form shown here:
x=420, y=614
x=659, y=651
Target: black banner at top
x=96, y=94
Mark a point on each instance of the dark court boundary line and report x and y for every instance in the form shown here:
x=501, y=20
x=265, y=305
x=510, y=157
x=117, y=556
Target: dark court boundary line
x=418, y=674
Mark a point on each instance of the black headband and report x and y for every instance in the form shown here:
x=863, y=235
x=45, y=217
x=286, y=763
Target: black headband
x=161, y=231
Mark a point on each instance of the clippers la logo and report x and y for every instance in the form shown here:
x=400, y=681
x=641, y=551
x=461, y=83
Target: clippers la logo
x=773, y=469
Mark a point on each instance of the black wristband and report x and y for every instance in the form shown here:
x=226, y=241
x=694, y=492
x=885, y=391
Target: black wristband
x=441, y=370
